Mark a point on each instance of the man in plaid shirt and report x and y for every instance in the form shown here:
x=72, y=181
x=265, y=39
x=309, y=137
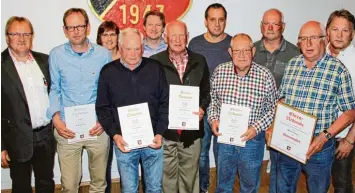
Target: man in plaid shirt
x=242, y=83
x=318, y=84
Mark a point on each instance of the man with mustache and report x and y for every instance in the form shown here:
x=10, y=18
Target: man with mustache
x=274, y=51
x=340, y=33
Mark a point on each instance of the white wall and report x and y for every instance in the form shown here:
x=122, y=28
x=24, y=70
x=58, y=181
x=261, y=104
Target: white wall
x=243, y=16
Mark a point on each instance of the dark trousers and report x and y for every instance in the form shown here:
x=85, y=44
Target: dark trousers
x=42, y=164
x=108, y=168
x=341, y=172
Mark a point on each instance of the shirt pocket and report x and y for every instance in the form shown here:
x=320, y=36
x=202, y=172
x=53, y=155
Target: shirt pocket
x=279, y=68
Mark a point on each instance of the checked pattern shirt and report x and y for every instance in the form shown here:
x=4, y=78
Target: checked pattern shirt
x=256, y=90
x=321, y=91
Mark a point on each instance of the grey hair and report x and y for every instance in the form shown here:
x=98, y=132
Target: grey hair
x=277, y=11
x=242, y=35
x=127, y=31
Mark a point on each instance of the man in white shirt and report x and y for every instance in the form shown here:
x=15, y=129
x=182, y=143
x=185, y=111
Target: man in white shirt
x=340, y=33
x=27, y=141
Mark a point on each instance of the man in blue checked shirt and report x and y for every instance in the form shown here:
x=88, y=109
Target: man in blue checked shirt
x=318, y=84
x=74, y=70
x=242, y=82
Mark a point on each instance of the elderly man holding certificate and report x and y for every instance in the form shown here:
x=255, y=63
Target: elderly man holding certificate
x=132, y=104
x=243, y=98
x=320, y=85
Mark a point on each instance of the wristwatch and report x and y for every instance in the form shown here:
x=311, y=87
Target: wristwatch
x=327, y=134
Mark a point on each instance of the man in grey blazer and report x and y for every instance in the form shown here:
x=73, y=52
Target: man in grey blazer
x=27, y=141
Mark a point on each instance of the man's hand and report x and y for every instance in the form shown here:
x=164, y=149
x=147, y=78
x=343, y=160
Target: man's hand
x=215, y=128
x=344, y=149
x=120, y=143
x=5, y=159
x=97, y=130
x=201, y=113
x=157, y=141
x=249, y=134
x=316, y=145
x=268, y=134
x=61, y=127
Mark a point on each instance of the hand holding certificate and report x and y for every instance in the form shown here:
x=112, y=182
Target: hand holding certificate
x=292, y=132
x=136, y=125
x=80, y=119
x=183, y=102
x=233, y=124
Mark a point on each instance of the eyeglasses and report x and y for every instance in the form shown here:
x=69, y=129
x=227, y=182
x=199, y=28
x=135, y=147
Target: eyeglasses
x=244, y=52
x=73, y=28
x=111, y=35
x=275, y=25
x=18, y=35
x=304, y=39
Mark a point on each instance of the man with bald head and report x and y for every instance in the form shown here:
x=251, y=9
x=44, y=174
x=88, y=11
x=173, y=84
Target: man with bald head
x=274, y=51
x=242, y=82
x=128, y=81
x=182, y=147
x=318, y=84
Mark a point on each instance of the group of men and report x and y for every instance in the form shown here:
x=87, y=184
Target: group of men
x=314, y=77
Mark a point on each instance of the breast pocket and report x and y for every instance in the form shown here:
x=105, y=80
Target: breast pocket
x=279, y=67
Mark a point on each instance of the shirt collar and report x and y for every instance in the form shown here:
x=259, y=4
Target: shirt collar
x=320, y=63
x=247, y=74
x=282, y=47
x=69, y=48
x=127, y=66
x=173, y=58
x=342, y=52
x=161, y=44
x=29, y=59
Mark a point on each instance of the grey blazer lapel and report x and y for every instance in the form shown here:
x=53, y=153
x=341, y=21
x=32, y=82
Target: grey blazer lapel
x=9, y=67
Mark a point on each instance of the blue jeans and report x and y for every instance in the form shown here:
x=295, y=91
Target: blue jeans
x=274, y=158
x=318, y=171
x=244, y=160
x=204, y=155
x=128, y=164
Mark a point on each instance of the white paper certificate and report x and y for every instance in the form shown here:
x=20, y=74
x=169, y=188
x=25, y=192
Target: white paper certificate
x=183, y=101
x=80, y=119
x=136, y=126
x=233, y=122
x=293, y=132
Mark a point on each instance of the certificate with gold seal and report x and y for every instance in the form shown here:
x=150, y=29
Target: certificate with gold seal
x=136, y=125
x=292, y=132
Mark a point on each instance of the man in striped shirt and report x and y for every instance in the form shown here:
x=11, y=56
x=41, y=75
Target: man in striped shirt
x=318, y=84
x=242, y=82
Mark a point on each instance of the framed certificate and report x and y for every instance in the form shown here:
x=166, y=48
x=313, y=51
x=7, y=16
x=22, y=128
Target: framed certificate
x=293, y=132
x=183, y=101
x=234, y=122
x=136, y=125
x=80, y=119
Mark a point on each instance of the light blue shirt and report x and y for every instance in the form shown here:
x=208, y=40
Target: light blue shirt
x=149, y=51
x=74, y=77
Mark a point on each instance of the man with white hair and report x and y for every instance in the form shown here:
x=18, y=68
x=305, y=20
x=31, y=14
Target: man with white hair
x=319, y=84
x=128, y=81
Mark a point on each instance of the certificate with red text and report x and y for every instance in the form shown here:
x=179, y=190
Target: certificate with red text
x=293, y=132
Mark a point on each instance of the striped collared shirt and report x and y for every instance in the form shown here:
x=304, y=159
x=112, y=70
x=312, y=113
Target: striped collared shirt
x=256, y=90
x=320, y=91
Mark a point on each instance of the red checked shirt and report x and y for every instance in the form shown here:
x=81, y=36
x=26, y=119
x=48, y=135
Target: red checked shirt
x=180, y=66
